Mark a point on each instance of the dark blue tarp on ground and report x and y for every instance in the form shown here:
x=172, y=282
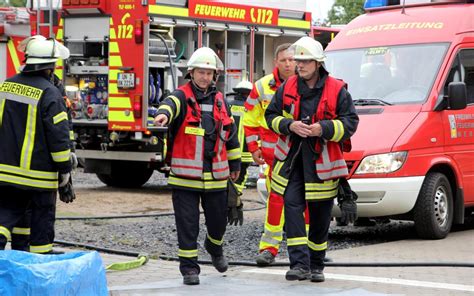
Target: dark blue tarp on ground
x=77, y=273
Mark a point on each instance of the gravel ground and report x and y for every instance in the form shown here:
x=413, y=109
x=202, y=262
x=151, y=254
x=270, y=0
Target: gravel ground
x=157, y=235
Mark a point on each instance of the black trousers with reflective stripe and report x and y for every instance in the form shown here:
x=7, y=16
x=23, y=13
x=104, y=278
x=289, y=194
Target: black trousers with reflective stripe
x=21, y=241
x=319, y=221
x=14, y=203
x=320, y=217
x=186, y=211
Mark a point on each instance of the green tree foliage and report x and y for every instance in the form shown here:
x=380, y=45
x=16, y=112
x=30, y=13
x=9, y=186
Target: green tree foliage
x=18, y=3
x=343, y=11
x=14, y=3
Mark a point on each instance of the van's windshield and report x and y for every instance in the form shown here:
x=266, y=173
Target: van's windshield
x=388, y=75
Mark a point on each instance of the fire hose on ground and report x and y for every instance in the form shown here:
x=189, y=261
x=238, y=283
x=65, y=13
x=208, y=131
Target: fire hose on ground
x=143, y=258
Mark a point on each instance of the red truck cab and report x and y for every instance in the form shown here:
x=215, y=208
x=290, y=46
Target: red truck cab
x=410, y=71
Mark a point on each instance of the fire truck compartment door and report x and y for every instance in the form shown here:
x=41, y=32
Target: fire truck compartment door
x=91, y=28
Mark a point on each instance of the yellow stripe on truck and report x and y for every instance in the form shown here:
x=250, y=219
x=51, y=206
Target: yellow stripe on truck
x=14, y=55
x=113, y=74
x=283, y=22
x=113, y=89
x=121, y=116
x=119, y=102
x=168, y=10
x=115, y=61
x=113, y=47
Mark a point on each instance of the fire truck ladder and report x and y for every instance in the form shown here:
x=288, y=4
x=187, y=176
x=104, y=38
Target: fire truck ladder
x=46, y=22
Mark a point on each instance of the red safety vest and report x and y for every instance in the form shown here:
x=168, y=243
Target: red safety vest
x=330, y=163
x=187, y=157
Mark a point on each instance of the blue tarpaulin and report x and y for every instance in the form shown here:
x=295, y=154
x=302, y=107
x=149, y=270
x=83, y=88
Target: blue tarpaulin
x=77, y=273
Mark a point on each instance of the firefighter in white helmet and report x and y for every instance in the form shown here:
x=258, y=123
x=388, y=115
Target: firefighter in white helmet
x=20, y=236
x=204, y=153
x=35, y=150
x=313, y=114
x=236, y=102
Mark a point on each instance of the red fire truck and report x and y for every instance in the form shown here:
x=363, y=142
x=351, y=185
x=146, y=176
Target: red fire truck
x=410, y=71
x=127, y=54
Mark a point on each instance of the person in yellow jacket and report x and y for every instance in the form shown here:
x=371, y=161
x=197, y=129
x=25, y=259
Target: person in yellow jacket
x=261, y=142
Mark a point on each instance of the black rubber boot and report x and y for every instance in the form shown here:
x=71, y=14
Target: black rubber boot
x=265, y=258
x=317, y=276
x=297, y=273
x=219, y=262
x=191, y=279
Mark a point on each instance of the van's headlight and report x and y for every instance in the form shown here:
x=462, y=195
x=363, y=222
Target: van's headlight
x=382, y=163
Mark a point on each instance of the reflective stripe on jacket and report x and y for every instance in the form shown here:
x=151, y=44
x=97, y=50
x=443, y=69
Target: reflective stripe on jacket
x=34, y=133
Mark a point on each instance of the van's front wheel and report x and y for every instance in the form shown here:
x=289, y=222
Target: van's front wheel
x=433, y=212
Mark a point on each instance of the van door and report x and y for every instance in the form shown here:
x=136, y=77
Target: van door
x=459, y=124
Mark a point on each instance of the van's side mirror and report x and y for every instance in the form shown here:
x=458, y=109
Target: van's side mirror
x=457, y=96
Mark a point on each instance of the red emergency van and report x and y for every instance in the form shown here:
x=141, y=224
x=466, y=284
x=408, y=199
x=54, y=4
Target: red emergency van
x=410, y=71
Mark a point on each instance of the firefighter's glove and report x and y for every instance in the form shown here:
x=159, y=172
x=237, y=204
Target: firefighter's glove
x=66, y=193
x=346, y=199
x=348, y=211
x=64, y=179
x=235, y=214
x=74, y=161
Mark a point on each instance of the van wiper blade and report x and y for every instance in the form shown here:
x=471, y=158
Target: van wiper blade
x=367, y=102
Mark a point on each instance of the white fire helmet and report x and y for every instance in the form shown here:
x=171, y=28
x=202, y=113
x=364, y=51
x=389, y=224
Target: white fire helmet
x=205, y=58
x=244, y=85
x=306, y=48
x=40, y=50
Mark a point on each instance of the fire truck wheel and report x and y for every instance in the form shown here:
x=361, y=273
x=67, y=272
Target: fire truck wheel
x=126, y=174
x=433, y=212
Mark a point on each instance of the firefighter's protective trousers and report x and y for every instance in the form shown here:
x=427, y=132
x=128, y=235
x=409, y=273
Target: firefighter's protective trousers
x=186, y=210
x=298, y=240
x=21, y=232
x=14, y=203
x=275, y=220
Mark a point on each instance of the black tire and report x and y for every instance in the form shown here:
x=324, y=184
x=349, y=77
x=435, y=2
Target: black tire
x=433, y=214
x=126, y=174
